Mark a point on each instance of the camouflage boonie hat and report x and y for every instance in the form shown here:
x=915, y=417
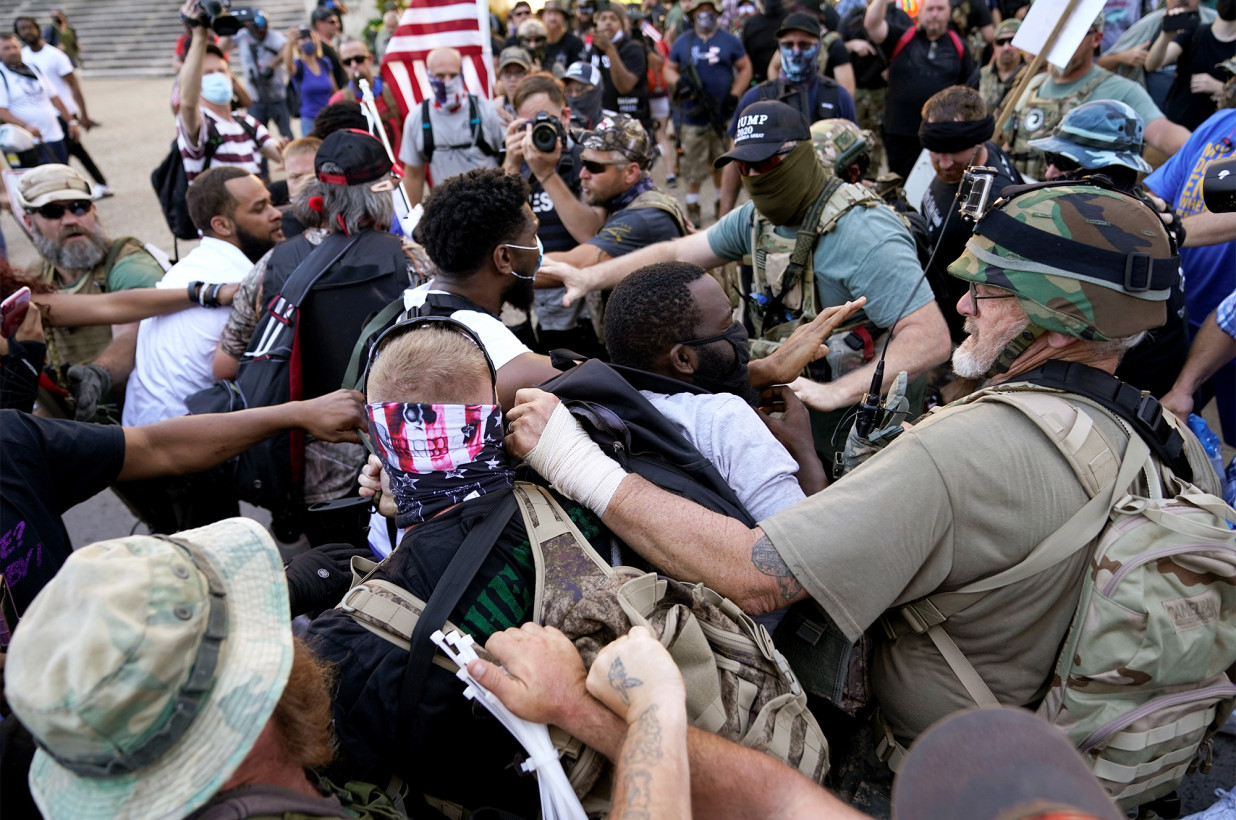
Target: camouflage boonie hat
x=1098, y=134
x=618, y=132
x=1084, y=261
x=147, y=668
x=1007, y=28
x=840, y=143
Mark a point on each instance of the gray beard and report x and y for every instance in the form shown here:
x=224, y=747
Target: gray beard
x=74, y=257
x=975, y=357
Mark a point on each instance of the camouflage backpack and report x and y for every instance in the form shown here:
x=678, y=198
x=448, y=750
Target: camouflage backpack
x=738, y=685
x=1141, y=680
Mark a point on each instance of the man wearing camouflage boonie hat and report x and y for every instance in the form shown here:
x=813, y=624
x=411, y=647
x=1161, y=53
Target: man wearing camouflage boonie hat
x=1059, y=275
x=152, y=672
x=997, y=78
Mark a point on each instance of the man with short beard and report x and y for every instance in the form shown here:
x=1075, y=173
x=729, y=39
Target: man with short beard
x=922, y=60
x=79, y=257
x=997, y=78
x=1049, y=96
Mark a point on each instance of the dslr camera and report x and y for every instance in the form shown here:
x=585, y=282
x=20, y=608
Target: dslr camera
x=1219, y=186
x=547, y=132
x=217, y=15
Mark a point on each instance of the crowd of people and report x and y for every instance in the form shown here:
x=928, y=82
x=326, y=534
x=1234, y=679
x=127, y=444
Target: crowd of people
x=489, y=373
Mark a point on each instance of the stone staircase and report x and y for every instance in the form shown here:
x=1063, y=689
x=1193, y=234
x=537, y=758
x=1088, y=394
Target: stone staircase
x=135, y=38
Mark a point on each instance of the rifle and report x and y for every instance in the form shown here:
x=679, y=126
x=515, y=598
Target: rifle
x=704, y=103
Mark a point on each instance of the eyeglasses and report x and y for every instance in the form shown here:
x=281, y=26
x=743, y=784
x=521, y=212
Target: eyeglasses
x=55, y=210
x=594, y=167
x=750, y=169
x=1066, y=165
x=1006, y=41
x=354, y=60
x=975, y=296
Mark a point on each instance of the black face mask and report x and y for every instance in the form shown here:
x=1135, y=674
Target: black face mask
x=718, y=373
x=519, y=294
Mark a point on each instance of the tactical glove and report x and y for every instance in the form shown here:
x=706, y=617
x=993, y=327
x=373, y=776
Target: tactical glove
x=88, y=384
x=319, y=578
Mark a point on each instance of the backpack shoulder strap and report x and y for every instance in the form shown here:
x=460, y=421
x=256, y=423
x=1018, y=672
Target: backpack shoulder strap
x=427, y=132
x=356, y=360
x=478, y=136
x=903, y=42
x=662, y=202
x=955, y=38
x=311, y=268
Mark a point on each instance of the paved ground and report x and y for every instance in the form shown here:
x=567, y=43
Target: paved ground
x=135, y=136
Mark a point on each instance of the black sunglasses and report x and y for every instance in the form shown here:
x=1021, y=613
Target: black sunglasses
x=1063, y=164
x=594, y=167
x=1004, y=42
x=354, y=60
x=55, y=210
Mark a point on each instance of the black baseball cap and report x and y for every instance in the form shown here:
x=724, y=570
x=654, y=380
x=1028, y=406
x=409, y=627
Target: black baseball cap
x=998, y=763
x=763, y=127
x=800, y=21
x=361, y=156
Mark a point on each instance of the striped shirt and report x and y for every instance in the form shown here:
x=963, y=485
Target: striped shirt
x=1225, y=315
x=237, y=148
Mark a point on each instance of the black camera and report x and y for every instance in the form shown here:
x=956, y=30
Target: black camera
x=547, y=131
x=1219, y=186
x=217, y=14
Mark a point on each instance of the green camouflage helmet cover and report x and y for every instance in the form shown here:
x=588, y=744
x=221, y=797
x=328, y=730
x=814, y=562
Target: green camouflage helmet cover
x=839, y=143
x=1108, y=234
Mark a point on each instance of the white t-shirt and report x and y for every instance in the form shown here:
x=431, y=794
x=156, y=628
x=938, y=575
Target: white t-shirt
x=54, y=65
x=175, y=352
x=500, y=343
x=29, y=100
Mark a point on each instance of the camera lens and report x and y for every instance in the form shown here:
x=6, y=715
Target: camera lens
x=544, y=136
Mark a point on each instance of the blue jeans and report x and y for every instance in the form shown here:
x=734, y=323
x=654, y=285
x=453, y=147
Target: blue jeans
x=276, y=110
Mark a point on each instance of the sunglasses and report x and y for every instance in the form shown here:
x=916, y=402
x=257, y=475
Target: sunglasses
x=594, y=167
x=55, y=210
x=1064, y=164
x=354, y=60
x=750, y=169
x=1006, y=41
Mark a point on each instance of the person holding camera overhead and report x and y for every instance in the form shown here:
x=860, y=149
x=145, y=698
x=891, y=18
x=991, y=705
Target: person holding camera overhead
x=261, y=59
x=205, y=118
x=312, y=73
x=1198, y=50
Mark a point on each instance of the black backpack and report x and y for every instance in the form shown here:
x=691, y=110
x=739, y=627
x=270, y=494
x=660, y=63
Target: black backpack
x=269, y=474
x=170, y=181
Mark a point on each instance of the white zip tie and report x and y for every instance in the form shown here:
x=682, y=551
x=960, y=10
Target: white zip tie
x=558, y=799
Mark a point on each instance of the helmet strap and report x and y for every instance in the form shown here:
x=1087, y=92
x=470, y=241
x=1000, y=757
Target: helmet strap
x=1014, y=349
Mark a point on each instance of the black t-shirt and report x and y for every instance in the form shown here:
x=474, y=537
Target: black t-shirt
x=554, y=235
x=1200, y=53
x=635, y=102
x=633, y=228
x=978, y=17
x=468, y=753
x=837, y=55
x=759, y=38
x=869, y=71
x=46, y=467
x=937, y=203
x=921, y=69
x=336, y=67
x=563, y=53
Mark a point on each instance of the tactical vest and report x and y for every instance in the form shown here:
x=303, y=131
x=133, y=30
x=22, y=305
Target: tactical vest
x=1036, y=116
x=826, y=42
x=828, y=98
x=993, y=90
x=76, y=345
x=770, y=260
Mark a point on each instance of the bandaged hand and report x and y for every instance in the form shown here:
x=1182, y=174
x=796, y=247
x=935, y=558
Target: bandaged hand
x=543, y=433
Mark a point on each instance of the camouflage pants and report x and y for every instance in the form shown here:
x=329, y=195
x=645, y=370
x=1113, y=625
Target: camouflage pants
x=869, y=103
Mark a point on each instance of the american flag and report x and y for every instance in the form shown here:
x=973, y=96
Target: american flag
x=429, y=24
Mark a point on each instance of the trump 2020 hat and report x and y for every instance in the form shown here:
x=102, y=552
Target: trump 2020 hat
x=762, y=129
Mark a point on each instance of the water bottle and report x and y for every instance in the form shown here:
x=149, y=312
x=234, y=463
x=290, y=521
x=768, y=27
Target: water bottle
x=1210, y=443
x=1229, y=490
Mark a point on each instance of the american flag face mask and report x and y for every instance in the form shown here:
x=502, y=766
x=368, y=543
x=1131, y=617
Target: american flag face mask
x=438, y=455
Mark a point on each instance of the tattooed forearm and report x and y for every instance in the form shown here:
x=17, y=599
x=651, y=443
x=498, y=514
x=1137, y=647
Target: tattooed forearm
x=643, y=744
x=621, y=681
x=637, y=796
x=769, y=562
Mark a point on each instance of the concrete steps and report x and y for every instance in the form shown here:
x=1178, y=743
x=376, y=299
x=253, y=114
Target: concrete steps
x=133, y=38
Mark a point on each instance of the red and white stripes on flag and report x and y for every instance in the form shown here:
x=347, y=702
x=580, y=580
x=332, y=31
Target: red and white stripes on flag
x=429, y=24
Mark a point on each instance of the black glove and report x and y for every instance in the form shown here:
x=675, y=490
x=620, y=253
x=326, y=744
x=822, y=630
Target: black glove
x=729, y=106
x=683, y=89
x=19, y=374
x=319, y=578
x=88, y=383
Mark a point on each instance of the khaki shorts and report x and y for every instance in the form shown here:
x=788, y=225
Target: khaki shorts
x=700, y=146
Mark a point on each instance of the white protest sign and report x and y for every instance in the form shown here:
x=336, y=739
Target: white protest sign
x=920, y=177
x=1041, y=21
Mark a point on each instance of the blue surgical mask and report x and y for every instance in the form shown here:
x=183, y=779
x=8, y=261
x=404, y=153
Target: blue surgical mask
x=217, y=88
x=797, y=65
x=540, y=256
x=308, y=47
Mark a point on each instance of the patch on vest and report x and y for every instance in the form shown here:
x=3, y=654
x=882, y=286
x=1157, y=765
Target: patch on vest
x=1189, y=613
x=1034, y=119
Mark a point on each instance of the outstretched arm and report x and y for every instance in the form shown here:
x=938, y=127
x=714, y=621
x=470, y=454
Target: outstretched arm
x=117, y=307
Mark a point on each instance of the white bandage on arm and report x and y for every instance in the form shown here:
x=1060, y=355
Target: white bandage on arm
x=574, y=464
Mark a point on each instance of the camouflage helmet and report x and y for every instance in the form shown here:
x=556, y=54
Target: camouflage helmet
x=1098, y=134
x=839, y=144
x=1082, y=260
x=618, y=132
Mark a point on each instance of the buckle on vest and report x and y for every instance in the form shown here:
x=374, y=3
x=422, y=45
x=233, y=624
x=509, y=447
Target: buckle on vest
x=1137, y=270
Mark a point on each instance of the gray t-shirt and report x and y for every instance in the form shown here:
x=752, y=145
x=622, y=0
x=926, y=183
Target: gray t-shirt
x=869, y=253
x=1114, y=87
x=270, y=88
x=451, y=128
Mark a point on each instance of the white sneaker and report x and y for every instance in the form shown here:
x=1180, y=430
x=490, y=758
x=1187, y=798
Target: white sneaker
x=100, y=191
x=1225, y=809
